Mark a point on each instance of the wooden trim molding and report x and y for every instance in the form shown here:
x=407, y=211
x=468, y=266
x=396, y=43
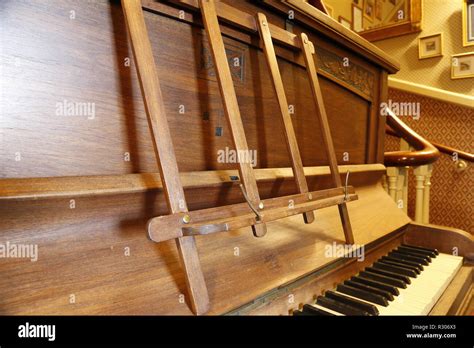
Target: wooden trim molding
x=19, y=189
x=319, y=5
x=432, y=92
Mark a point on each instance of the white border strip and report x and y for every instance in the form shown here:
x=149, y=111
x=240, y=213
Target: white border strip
x=436, y=93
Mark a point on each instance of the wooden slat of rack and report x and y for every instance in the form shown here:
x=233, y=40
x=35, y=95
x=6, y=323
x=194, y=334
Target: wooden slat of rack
x=232, y=217
x=291, y=142
x=231, y=107
x=326, y=133
x=17, y=189
x=153, y=100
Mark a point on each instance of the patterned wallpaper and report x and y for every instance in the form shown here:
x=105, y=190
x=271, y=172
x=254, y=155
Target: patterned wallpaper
x=452, y=193
x=438, y=16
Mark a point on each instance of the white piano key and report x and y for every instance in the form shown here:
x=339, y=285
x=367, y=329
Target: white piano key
x=424, y=291
x=326, y=309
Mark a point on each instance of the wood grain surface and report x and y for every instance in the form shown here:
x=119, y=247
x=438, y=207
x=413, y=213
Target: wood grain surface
x=89, y=221
x=83, y=60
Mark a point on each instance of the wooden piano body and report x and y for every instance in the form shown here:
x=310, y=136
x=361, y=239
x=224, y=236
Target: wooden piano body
x=83, y=187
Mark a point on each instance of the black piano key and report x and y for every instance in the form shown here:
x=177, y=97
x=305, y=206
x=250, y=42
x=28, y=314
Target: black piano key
x=362, y=294
x=310, y=310
x=412, y=254
x=367, y=307
x=420, y=248
x=421, y=252
x=339, y=307
x=397, y=254
x=361, y=279
x=384, y=279
x=399, y=264
x=404, y=257
x=406, y=262
x=386, y=294
x=389, y=274
x=394, y=269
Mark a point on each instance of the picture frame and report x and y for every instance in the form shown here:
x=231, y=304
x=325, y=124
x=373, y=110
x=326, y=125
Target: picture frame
x=345, y=22
x=462, y=65
x=468, y=23
x=378, y=9
x=369, y=9
x=430, y=46
x=357, y=15
x=411, y=23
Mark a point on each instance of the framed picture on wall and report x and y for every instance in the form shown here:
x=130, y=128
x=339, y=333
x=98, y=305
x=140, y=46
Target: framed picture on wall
x=345, y=22
x=468, y=23
x=430, y=46
x=462, y=65
x=378, y=9
x=369, y=9
x=357, y=18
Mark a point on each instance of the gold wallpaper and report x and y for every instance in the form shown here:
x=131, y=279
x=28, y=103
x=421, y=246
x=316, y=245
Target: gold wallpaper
x=438, y=16
x=452, y=193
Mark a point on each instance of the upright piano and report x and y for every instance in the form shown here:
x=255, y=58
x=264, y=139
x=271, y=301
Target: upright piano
x=119, y=130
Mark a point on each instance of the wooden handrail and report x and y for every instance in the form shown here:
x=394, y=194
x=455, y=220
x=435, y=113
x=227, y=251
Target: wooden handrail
x=451, y=151
x=442, y=148
x=425, y=152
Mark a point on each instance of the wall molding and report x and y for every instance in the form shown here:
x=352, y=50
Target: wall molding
x=436, y=93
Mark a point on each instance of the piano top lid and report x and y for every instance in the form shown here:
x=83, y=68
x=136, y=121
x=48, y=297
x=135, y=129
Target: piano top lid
x=329, y=27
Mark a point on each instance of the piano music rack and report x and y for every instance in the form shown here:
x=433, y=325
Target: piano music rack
x=182, y=225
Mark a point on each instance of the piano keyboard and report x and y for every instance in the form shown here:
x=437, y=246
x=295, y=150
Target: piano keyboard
x=408, y=280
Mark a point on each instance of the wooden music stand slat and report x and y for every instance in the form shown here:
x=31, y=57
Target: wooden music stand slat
x=164, y=150
x=231, y=107
x=235, y=216
x=183, y=225
x=291, y=142
x=326, y=133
